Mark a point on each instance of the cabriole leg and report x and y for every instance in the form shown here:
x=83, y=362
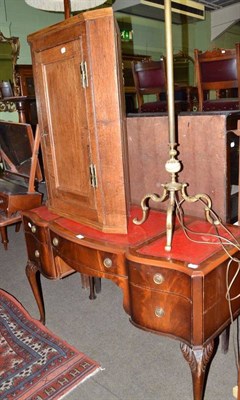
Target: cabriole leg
x=198, y=359
x=33, y=275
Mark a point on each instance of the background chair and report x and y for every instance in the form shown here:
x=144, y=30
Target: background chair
x=129, y=87
x=20, y=171
x=218, y=76
x=150, y=78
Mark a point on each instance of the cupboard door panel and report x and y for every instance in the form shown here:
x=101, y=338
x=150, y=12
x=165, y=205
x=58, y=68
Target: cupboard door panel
x=68, y=137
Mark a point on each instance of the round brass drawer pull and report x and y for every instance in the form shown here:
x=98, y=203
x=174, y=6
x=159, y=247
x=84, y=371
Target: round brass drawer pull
x=33, y=229
x=158, y=279
x=107, y=262
x=159, y=312
x=55, y=241
x=37, y=254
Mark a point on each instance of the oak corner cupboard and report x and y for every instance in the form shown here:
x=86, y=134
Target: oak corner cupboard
x=78, y=84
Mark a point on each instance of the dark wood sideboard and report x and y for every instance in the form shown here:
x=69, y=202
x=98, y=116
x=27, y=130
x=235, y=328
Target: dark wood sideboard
x=208, y=151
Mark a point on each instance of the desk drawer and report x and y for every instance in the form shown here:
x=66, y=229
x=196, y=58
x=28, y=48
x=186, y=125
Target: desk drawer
x=159, y=279
x=159, y=311
x=76, y=255
x=40, y=254
x=32, y=228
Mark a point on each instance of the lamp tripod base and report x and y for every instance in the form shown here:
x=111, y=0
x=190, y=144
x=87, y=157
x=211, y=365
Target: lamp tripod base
x=170, y=191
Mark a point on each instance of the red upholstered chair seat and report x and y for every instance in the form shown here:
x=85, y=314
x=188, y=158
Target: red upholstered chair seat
x=161, y=106
x=221, y=104
x=153, y=106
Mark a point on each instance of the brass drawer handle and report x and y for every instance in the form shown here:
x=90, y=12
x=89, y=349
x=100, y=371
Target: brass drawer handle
x=158, y=279
x=107, y=262
x=55, y=241
x=37, y=253
x=159, y=312
x=33, y=229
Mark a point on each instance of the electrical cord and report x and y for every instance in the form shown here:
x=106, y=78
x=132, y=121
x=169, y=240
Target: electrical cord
x=224, y=242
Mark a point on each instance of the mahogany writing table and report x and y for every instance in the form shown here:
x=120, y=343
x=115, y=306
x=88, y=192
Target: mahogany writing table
x=181, y=293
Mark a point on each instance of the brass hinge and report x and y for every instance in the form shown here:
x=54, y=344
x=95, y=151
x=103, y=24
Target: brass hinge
x=84, y=74
x=93, y=175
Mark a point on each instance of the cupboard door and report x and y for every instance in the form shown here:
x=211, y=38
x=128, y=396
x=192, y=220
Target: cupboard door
x=66, y=134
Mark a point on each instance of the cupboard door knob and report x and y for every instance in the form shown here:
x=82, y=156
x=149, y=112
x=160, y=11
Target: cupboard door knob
x=37, y=253
x=33, y=229
x=107, y=262
x=158, y=279
x=159, y=312
x=55, y=241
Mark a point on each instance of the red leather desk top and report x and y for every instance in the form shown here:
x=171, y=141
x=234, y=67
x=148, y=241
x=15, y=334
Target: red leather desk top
x=155, y=225
x=44, y=213
x=185, y=248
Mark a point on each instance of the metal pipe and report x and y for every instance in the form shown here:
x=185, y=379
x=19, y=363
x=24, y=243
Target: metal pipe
x=170, y=78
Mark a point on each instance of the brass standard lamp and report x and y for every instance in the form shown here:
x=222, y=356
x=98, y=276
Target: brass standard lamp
x=173, y=166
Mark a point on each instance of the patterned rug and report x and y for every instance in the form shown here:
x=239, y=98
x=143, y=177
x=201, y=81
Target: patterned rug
x=34, y=363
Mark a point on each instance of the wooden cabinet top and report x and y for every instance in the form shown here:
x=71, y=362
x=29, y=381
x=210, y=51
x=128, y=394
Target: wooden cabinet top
x=45, y=37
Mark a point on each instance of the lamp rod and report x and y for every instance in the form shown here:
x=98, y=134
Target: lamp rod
x=173, y=165
x=170, y=79
x=67, y=9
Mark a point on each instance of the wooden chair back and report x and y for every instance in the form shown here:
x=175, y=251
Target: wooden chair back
x=149, y=78
x=217, y=71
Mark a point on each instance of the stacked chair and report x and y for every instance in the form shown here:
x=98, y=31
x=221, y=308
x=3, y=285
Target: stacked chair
x=218, y=79
x=150, y=78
